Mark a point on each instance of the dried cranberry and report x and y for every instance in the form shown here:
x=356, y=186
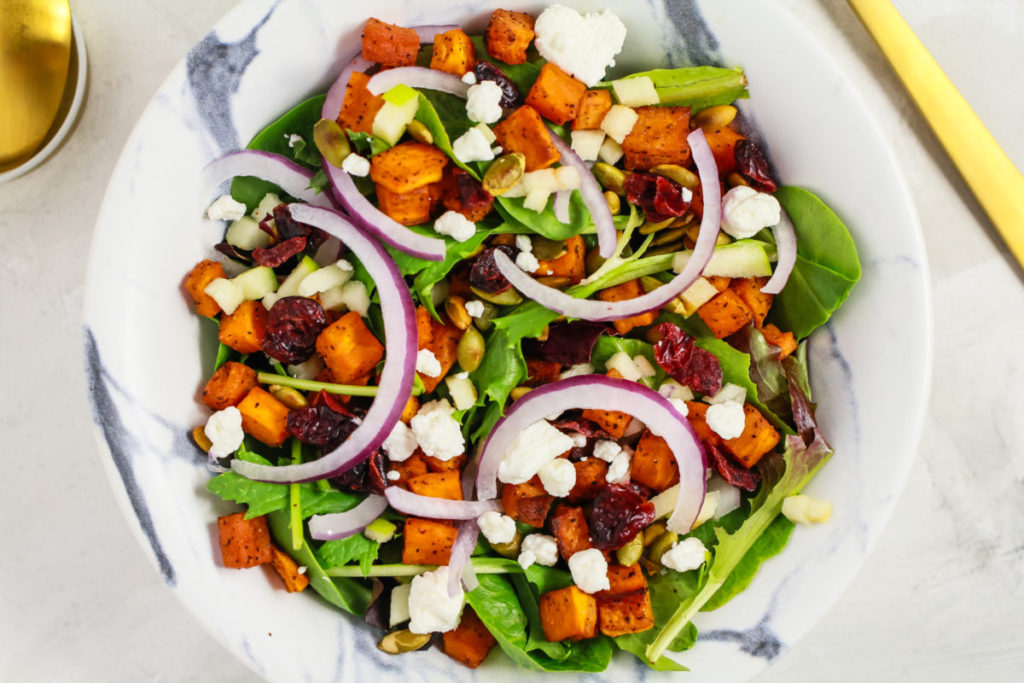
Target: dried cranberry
x=280, y=225
x=567, y=343
x=619, y=513
x=485, y=71
x=367, y=476
x=733, y=472
x=233, y=252
x=293, y=325
x=279, y=253
x=579, y=425
x=470, y=193
x=752, y=164
x=484, y=274
x=659, y=197
x=685, y=362
x=320, y=426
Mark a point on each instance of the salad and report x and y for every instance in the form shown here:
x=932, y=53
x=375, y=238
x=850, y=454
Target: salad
x=512, y=348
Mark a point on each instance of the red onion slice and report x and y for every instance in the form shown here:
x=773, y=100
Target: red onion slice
x=400, y=357
x=274, y=168
x=785, y=244
x=593, y=197
x=378, y=223
x=414, y=504
x=600, y=392
x=344, y=524
x=336, y=95
x=417, y=77
x=560, y=205
x=459, y=566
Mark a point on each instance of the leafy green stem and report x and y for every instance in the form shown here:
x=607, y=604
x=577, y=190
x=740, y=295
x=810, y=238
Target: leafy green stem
x=481, y=565
x=295, y=500
x=312, y=385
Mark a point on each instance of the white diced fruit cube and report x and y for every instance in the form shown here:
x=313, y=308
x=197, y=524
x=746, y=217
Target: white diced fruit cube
x=587, y=143
x=462, y=391
x=567, y=178
x=635, y=92
x=536, y=200
x=618, y=122
x=226, y=293
x=323, y=279
x=697, y=294
x=391, y=120
x=245, y=233
x=610, y=152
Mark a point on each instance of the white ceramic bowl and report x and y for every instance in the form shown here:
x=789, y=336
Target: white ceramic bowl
x=870, y=366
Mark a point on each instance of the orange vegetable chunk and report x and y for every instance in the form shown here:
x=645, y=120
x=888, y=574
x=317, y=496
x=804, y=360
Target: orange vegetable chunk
x=725, y=314
x=202, y=274
x=390, y=45
x=527, y=502
x=784, y=340
x=441, y=339
x=427, y=542
x=408, y=166
x=723, y=146
x=654, y=465
x=594, y=105
x=438, y=485
x=229, y=385
x=758, y=437
x=571, y=530
x=453, y=52
x=658, y=137
x=470, y=641
x=627, y=290
x=631, y=613
x=508, y=35
x=244, y=542
x=568, y=614
x=407, y=208
x=360, y=106
x=524, y=132
x=759, y=303
x=244, y=329
x=697, y=415
x=570, y=264
x=555, y=94
x=411, y=467
x=349, y=348
x=288, y=570
x=590, y=479
x=264, y=417
x=623, y=580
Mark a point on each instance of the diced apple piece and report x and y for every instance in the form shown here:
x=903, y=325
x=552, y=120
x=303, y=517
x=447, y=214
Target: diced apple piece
x=635, y=92
x=462, y=391
x=587, y=143
x=245, y=234
x=256, y=282
x=610, y=151
x=325, y=278
x=619, y=122
x=226, y=293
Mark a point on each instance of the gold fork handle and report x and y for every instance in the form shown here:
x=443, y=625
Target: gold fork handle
x=989, y=173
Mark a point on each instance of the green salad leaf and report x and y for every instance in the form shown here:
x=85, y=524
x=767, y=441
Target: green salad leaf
x=357, y=547
x=697, y=87
x=607, y=346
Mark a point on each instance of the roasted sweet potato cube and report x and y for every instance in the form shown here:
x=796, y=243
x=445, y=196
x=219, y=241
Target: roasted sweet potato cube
x=631, y=613
x=462, y=193
x=758, y=437
x=202, y=274
x=244, y=542
x=568, y=614
x=658, y=137
x=627, y=290
x=441, y=339
x=524, y=132
x=594, y=105
x=749, y=289
x=570, y=264
x=438, y=465
x=784, y=340
x=408, y=166
x=717, y=281
x=653, y=464
x=453, y=52
x=413, y=466
x=437, y=485
x=555, y=94
x=590, y=479
x=470, y=641
x=288, y=570
x=407, y=208
x=508, y=35
x=697, y=416
x=571, y=530
x=264, y=417
x=360, y=106
x=427, y=542
x=725, y=314
x=611, y=421
x=229, y=385
x=390, y=45
x=349, y=348
x=723, y=146
x=244, y=329
x=540, y=372
x=622, y=581
x=527, y=502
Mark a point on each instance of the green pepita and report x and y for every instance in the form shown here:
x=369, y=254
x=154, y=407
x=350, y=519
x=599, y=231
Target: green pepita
x=510, y=297
x=661, y=545
x=614, y=203
x=504, y=173
x=331, y=141
x=630, y=554
x=683, y=176
x=649, y=227
x=470, y=351
x=669, y=235
x=419, y=132
x=293, y=398
x=610, y=177
x=400, y=642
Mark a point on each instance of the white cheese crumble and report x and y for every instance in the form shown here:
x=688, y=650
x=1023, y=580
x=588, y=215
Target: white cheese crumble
x=579, y=440
x=472, y=146
x=224, y=430
x=469, y=78
x=225, y=208
x=728, y=392
x=610, y=152
x=618, y=469
x=527, y=261
x=394, y=475
x=801, y=509
x=538, y=548
x=558, y=477
x=496, y=527
x=294, y=139
x=356, y=165
x=577, y=370
x=606, y=450
x=431, y=608
x=475, y=308
x=726, y=419
x=633, y=369
x=456, y=225
x=427, y=363
x=437, y=432
x=745, y=212
x=483, y=102
x=582, y=45
x=589, y=570
x=685, y=555
x=401, y=442
x=532, y=448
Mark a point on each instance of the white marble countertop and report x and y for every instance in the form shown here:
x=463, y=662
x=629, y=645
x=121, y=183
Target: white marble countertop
x=941, y=598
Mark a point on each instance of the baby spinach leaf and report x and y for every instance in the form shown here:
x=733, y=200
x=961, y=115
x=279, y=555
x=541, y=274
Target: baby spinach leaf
x=367, y=144
x=544, y=222
x=342, y=551
x=667, y=591
x=697, y=87
x=444, y=115
x=497, y=605
x=768, y=544
x=502, y=369
x=827, y=266
x=591, y=655
x=529, y=601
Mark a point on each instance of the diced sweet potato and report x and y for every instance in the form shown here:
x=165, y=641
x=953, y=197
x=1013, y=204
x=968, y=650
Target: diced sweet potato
x=593, y=106
x=759, y=303
x=631, y=613
x=470, y=641
x=527, y=502
x=244, y=542
x=623, y=581
x=758, y=437
x=590, y=479
x=412, y=406
x=244, y=329
x=438, y=485
x=697, y=415
x=360, y=106
x=555, y=94
x=288, y=570
x=784, y=340
x=611, y=421
x=658, y=137
x=568, y=614
x=427, y=542
x=725, y=314
x=627, y=290
x=438, y=465
x=413, y=466
x=408, y=166
x=717, y=281
x=264, y=417
x=570, y=264
x=723, y=147
x=390, y=45
x=407, y=208
x=540, y=372
x=524, y=132
x=441, y=339
x=202, y=274
x=571, y=530
x=229, y=385
x=349, y=348
x=453, y=52
x=653, y=464
x=508, y=35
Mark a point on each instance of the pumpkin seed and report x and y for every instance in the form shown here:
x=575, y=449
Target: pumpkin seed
x=331, y=141
x=556, y=281
x=593, y=261
x=504, y=173
x=661, y=545
x=483, y=321
x=683, y=220
x=630, y=554
x=547, y=250
x=614, y=203
x=293, y=398
x=419, y=132
x=510, y=549
x=649, y=227
x=669, y=235
x=610, y=177
x=715, y=118
x=203, y=441
x=470, y=350
x=402, y=641
x=455, y=307
x=735, y=179
x=668, y=248
x=510, y=297
x=684, y=177
x=652, y=532
x=519, y=392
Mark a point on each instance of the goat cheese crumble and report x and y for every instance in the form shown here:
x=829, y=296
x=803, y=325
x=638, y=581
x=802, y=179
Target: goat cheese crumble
x=438, y=434
x=224, y=430
x=589, y=570
x=745, y=212
x=431, y=608
x=225, y=208
x=483, y=102
x=496, y=527
x=534, y=447
x=685, y=555
x=540, y=549
x=582, y=45
x=726, y=419
x=401, y=442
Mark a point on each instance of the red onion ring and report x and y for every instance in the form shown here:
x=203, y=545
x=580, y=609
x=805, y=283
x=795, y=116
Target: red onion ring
x=560, y=205
x=596, y=310
x=274, y=168
x=459, y=566
x=336, y=95
x=344, y=524
x=598, y=391
x=785, y=245
x=414, y=504
x=593, y=197
x=417, y=77
x=400, y=352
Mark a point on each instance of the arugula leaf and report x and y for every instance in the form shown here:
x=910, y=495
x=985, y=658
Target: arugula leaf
x=435, y=271
x=502, y=369
x=697, y=87
x=342, y=551
x=769, y=544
